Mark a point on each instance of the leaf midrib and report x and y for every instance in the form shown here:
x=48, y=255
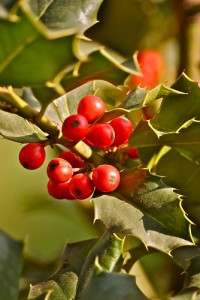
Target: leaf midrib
x=17, y=52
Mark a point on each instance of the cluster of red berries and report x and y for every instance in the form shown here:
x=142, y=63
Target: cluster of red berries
x=69, y=176
x=82, y=126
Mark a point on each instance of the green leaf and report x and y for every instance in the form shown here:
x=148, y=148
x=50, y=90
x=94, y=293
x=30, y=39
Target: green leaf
x=10, y=266
x=176, y=110
x=104, y=285
x=145, y=136
x=141, y=97
x=50, y=289
x=64, y=282
x=171, y=165
x=120, y=216
x=59, y=15
x=32, y=50
x=109, y=250
x=153, y=197
x=78, y=261
x=16, y=128
x=97, y=66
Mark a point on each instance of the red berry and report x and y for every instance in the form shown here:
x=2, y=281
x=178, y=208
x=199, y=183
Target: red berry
x=151, y=66
x=123, y=128
x=75, y=160
x=106, y=178
x=100, y=135
x=91, y=107
x=133, y=153
x=32, y=156
x=59, y=170
x=75, y=127
x=81, y=186
x=59, y=190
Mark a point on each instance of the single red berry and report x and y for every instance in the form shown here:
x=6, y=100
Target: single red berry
x=100, y=135
x=123, y=128
x=75, y=160
x=106, y=178
x=133, y=153
x=91, y=107
x=81, y=186
x=75, y=127
x=59, y=170
x=151, y=66
x=32, y=156
x=59, y=190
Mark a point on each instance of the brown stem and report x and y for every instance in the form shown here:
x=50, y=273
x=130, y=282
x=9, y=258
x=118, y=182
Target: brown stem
x=188, y=16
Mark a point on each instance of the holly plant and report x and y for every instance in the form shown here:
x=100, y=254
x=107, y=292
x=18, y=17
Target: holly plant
x=125, y=146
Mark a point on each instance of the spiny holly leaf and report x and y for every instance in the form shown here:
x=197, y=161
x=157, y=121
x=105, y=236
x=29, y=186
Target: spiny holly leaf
x=145, y=136
x=105, y=285
x=58, y=15
x=141, y=97
x=176, y=110
x=152, y=209
x=120, y=216
x=148, y=193
x=10, y=266
x=171, y=165
x=16, y=128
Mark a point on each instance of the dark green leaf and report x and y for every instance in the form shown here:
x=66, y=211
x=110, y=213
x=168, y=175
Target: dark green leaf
x=78, y=261
x=120, y=216
x=74, y=257
x=109, y=250
x=15, y=128
x=63, y=283
x=148, y=193
x=10, y=267
x=171, y=165
x=40, y=57
x=176, y=110
x=104, y=285
x=186, y=140
x=97, y=66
